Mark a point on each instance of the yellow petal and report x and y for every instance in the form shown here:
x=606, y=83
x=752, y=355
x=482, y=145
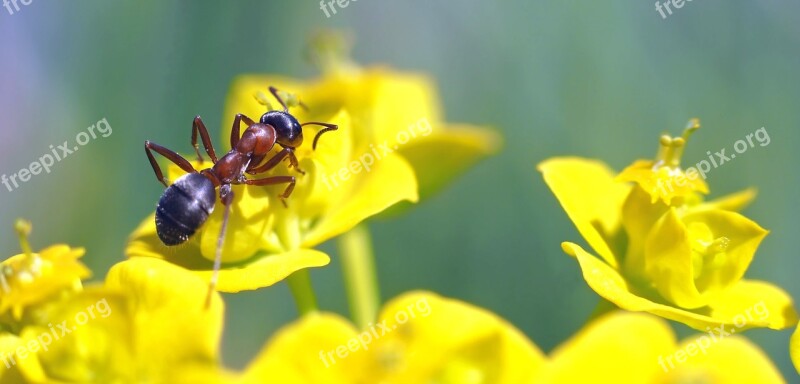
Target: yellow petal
x=267, y=270
x=396, y=101
x=147, y=323
x=591, y=197
x=464, y=146
x=753, y=303
x=639, y=215
x=312, y=350
x=742, y=238
x=668, y=262
x=18, y=367
x=619, y=347
x=726, y=309
x=85, y=338
x=262, y=270
x=204, y=374
x=794, y=348
x=171, y=301
x=427, y=338
x=732, y=359
x=683, y=267
x=733, y=202
x=249, y=219
x=391, y=180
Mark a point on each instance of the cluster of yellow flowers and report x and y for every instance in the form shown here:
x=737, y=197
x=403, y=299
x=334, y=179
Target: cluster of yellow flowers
x=663, y=253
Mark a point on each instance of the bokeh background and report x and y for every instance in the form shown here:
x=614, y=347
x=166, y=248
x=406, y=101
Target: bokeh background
x=596, y=79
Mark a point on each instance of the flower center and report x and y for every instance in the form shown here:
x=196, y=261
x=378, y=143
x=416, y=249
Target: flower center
x=30, y=267
x=715, y=247
x=671, y=149
x=708, y=251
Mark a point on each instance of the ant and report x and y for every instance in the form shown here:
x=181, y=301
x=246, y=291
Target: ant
x=186, y=204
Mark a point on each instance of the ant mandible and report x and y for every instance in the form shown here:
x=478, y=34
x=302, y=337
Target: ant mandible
x=186, y=204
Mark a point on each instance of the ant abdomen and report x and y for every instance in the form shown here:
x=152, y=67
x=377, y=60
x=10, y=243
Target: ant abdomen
x=184, y=207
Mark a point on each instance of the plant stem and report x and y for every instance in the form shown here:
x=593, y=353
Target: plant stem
x=358, y=269
x=300, y=285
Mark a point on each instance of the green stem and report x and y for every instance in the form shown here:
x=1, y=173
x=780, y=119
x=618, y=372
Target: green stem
x=300, y=285
x=358, y=268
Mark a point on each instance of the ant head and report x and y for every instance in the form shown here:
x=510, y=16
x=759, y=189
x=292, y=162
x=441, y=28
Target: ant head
x=289, y=130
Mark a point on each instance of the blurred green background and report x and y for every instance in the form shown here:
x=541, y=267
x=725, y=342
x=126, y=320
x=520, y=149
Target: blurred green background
x=596, y=79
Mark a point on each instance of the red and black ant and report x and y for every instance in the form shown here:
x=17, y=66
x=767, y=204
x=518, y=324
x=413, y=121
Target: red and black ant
x=186, y=204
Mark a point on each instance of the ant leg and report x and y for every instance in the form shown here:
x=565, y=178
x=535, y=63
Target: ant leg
x=237, y=121
x=226, y=195
x=274, y=92
x=275, y=160
x=170, y=155
x=328, y=127
x=276, y=180
x=197, y=125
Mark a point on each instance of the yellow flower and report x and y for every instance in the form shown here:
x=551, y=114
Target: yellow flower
x=418, y=338
x=794, y=348
x=390, y=147
x=662, y=249
x=147, y=323
x=29, y=278
x=624, y=347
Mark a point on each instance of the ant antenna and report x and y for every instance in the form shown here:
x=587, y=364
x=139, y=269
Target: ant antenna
x=328, y=128
x=212, y=284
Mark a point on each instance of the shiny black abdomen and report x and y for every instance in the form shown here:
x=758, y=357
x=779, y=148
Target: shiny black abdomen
x=184, y=207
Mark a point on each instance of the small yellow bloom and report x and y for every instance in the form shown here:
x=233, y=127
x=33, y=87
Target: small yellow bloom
x=29, y=278
x=418, y=338
x=662, y=249
x=391, y=147
x=624, y=347
x=147, y=323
